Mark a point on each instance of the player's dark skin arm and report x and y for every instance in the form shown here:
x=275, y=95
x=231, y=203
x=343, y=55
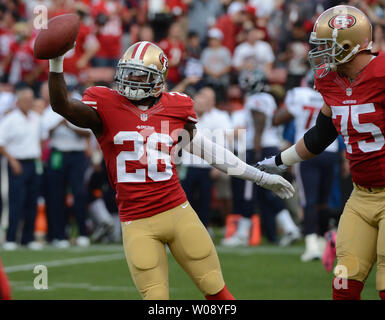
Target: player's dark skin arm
x=282, y=116
x=75, y=111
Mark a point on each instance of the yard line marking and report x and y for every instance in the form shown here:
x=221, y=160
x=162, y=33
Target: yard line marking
x=66, y=262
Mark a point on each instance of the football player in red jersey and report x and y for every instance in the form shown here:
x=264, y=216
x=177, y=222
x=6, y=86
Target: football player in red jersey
x=351, y=80
x=138, y=126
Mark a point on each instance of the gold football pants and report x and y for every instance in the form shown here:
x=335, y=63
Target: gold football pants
x=361, y=236
x=144, y=243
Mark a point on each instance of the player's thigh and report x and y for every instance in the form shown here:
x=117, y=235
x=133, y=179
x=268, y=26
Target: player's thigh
x=356, y=244
x=380, y=276
x=147, y=260
x=194, y=250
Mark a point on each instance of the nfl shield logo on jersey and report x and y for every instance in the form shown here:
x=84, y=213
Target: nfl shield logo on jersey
x=143, y=117
x=349, y=92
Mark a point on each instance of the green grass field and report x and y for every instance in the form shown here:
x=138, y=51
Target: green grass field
x=100, y=272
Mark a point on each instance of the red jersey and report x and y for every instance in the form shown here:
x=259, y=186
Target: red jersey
x=72, y=56
x=138, y=149
x=24, y=62
x=358, y=111
x=7, y=39
x=109, y=37
x=174, y=53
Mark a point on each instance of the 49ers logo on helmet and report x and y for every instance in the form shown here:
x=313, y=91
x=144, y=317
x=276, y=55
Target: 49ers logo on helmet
x=163, y=60
x=342, y=21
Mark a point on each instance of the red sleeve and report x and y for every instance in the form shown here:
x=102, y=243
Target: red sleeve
x=90, y=98
x=191, y=116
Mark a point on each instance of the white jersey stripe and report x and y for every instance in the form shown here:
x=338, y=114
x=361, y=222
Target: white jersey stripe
x=140, y=49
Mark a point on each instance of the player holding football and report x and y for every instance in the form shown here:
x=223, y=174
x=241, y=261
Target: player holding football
x=137, y=126
x=351, y=81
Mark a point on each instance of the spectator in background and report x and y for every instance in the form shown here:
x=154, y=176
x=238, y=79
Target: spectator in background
x=109, y=31
x=76, y=60
x=231, y=24
x=197, y=182
x=202, y=15
x=146, y=34
x=193, y=69
x=216, y=61
x=254, y=53
x=193, y=45
x=173, y=47
x=25, y=67
x=7, y=38
x=20, y=144
x=295, y=54
x=66, y=168
x=378, y=38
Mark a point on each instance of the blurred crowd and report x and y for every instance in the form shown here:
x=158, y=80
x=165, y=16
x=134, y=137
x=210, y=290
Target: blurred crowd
x=209, y=44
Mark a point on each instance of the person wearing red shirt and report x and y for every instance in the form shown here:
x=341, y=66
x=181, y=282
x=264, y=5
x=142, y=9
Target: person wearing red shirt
x=350, y=79
x=173, y=47
x=7, y=38
x=231, y=24
x=77, y=59
x=25, y=67
x=109, y=31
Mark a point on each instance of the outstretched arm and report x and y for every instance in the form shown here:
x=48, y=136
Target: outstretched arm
x=315, y=141
x=73, y=110
x=225, y=161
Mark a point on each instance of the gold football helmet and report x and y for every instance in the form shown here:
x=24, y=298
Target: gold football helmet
x=339, y=34
x=142, y=71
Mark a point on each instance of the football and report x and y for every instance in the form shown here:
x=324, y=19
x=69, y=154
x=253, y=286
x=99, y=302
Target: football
x=58, y=38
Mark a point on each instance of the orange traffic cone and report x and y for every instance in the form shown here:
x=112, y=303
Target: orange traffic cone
x=41, y=226
x=231, y=224
x=255, y=232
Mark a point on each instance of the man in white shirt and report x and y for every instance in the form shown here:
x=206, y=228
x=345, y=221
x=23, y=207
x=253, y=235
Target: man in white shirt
x=20, y=133
x=66, y=168
x=254, y=53
x=213, y=123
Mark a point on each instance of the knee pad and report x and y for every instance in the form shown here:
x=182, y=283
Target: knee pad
x=196, y=241
x=143, y=253
x=348, y=267
x=211, y=283
x=382, y=295
x=156, y=292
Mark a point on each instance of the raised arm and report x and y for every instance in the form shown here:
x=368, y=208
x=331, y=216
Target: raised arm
x=314, y=141
x=73, y=110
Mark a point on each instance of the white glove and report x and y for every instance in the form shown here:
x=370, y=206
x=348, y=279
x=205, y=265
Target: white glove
x=280, y=186
x=270, y=166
